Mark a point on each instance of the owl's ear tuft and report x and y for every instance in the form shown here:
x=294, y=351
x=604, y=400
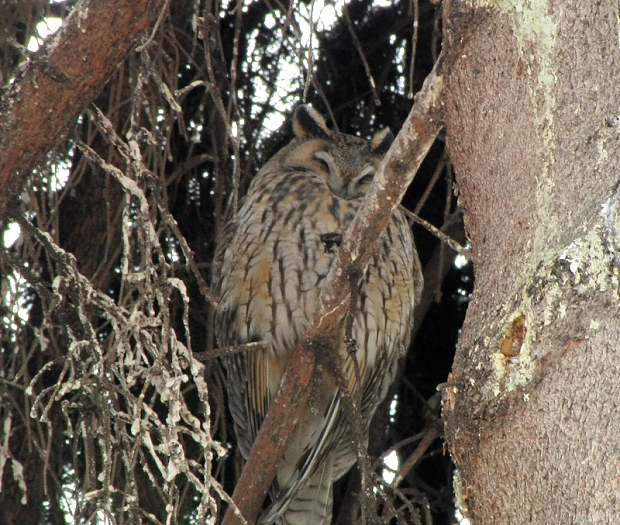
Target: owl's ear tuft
x=381, y=141
x=308, y=122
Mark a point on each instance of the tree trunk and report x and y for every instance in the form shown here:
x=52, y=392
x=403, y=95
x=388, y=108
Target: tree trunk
x=532, y=117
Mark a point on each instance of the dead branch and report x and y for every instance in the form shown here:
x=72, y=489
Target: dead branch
x=427, y=440
x=45, y=99
x=390, y=183
x=458, y=248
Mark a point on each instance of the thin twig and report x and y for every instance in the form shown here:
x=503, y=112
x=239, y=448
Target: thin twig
x=360, y=51
x=429, y=187
x=414, y=45
x=163, y=11
x=461, y=250
x=422, y=447
x=205, y=357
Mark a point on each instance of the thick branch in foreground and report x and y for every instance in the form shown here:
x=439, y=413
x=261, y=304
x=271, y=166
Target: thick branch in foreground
x=43, y=103
x=390, y=183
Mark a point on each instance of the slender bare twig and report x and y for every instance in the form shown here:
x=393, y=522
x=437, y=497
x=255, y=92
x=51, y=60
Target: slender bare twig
x=429, y=187
x=422, y=447
x=438, y=233
x=227, y=350
x=414, y=44
x=360, y=51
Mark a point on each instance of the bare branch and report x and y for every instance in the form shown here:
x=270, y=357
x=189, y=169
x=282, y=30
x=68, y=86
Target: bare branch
x=61, y=79
x=414, y=44
x=203, y=357
x=360, y=51
x=429, y=437
x=438, y=233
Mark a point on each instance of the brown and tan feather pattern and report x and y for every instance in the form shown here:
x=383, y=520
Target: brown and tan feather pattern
x=269, y=270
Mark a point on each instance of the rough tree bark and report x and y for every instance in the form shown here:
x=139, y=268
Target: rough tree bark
x=532, y=117
x=45, y=99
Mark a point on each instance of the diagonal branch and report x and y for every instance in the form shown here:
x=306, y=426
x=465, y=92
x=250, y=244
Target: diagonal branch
x=390, y=183
x=42, y=104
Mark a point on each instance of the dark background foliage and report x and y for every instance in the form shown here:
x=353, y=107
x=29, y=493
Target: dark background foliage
x=229, y=68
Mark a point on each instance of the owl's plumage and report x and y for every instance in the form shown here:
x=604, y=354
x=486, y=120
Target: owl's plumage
x=270, y=266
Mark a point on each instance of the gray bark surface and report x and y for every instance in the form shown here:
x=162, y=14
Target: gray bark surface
x=531, y=407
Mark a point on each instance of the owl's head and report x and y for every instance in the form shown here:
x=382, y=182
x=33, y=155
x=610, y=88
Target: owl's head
x=347, y=163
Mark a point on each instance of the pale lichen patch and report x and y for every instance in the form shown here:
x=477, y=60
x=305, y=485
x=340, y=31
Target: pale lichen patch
x=586, y=266
x=589, y=262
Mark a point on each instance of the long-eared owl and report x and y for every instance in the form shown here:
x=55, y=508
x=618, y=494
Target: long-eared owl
x=270, y=266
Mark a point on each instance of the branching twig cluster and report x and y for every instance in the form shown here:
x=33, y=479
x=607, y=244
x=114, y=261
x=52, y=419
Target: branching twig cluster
x=119, y=380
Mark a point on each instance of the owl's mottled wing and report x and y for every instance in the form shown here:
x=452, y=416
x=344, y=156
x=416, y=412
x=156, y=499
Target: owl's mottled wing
x=268, y=278
x=381, y=329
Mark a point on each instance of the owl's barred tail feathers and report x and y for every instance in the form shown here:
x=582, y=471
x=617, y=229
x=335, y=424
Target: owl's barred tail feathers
x=311, y=505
